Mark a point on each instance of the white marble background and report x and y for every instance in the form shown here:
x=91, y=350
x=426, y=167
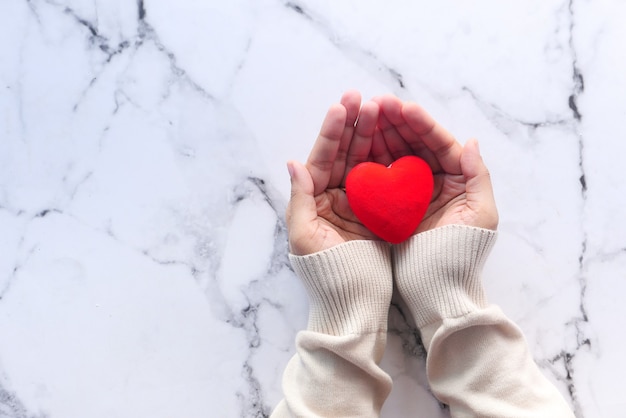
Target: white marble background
x=143, y=268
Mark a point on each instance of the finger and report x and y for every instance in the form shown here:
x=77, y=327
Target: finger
x=417, y=147
x=351, y=100
x=301, y=211
x=379, y=152
x=478, y=186
x=421, y=150
x=323, y=156
x=389, y=120
x=400, y=138
x=437, y=139
x=363, y=135
x=391, y=106
x=415, y=144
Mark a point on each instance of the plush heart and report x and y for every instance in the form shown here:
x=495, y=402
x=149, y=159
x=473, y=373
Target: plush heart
x=390, y=201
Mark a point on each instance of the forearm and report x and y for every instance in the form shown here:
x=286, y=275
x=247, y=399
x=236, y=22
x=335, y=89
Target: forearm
x=335, y=370
x=480, y=365
x=478, y=361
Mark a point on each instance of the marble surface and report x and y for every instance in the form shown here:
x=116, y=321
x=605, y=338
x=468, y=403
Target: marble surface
x=143, y=267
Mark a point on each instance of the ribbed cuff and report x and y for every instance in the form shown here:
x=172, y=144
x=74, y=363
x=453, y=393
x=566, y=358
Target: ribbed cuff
x=349, y=287
x=437, y=272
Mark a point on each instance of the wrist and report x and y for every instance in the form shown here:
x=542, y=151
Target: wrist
x=349, y=287
x=437, y=272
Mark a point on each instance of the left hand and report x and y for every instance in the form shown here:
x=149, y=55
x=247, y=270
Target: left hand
x=318, y=215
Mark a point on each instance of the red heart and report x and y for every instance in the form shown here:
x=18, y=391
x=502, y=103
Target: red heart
x=390, y=201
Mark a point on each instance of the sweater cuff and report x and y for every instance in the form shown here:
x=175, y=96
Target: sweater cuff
x=349, y=287
x=438, y=272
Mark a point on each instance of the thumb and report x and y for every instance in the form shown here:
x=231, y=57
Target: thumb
x=301, y=211
x=478, y=186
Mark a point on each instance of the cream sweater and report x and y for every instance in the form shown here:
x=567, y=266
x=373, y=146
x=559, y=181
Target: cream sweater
x=478, y=360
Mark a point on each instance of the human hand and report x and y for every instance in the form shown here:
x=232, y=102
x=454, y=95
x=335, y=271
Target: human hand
x=463, y=193
x=318, y=215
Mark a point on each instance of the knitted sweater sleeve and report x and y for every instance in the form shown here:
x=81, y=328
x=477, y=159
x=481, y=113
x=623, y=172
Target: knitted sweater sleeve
x=335, y=369
x=478, y=361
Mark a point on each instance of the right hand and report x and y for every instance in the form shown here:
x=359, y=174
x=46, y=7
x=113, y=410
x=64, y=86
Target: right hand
x=463, y=193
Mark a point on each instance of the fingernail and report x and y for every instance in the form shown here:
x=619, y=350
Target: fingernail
x=290, y=168
x=475, y=141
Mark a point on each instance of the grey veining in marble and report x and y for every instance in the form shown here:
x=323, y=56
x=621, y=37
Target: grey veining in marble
x=143, y=267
